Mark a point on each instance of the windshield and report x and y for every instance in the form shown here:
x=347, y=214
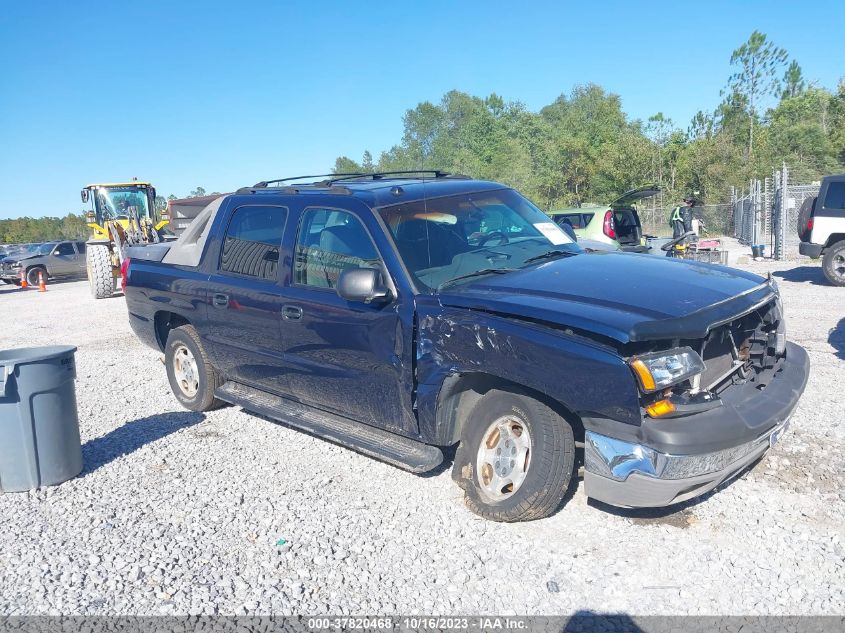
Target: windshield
x=46, y=249
x=442, y=239
x=113, y=202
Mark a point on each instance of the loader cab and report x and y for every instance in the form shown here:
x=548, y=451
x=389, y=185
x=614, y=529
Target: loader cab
x=118, y=202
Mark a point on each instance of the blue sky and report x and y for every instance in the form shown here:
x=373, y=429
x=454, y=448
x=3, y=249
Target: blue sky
x=224, y=94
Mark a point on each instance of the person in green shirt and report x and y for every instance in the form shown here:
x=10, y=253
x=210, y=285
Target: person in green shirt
x=681, y=218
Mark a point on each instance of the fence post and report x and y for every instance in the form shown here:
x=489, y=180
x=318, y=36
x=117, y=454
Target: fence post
x=784, y=208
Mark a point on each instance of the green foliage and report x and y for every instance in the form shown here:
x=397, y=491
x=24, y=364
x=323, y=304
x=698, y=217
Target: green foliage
x=793, y=81
x=583, y=148
x=759, y=62
x=26, y=230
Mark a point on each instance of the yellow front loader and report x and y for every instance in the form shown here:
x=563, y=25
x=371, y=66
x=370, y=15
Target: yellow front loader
x=120, y=215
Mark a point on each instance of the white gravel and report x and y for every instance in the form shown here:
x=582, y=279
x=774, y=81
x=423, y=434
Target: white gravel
x=178, y=512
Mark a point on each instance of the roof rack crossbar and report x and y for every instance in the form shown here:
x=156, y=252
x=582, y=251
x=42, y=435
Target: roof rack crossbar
x=378, y=175
x=265, y=183
x=331, y=179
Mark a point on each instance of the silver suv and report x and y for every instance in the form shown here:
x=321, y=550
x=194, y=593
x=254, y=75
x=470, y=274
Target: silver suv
x=55, y=260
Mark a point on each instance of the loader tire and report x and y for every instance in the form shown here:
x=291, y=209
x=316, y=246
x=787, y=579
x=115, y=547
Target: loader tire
x=100, y=277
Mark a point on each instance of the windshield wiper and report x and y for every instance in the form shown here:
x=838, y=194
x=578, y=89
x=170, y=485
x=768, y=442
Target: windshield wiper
x=475, y=273
x=550, y=255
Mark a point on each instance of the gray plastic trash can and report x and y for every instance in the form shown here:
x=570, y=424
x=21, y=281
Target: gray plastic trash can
x=39, y=425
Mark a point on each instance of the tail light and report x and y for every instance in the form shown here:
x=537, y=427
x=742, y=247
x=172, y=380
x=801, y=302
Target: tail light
x=124, y=273
x=608, y=226
x=810, y=224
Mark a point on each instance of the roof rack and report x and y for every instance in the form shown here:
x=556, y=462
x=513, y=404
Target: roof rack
x=330, y=180
x=265, y=183
x=381, y=174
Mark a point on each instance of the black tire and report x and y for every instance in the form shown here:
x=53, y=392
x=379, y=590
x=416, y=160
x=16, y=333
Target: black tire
x=100, y=276
x=833, y=263
x=549, y=465
x=208, y=379
x=804, y=215
x=32, y=275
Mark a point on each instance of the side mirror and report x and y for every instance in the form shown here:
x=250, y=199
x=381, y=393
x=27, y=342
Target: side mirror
x=84, y=195
x=362, y=285
x=567, y=228
x=153, y=194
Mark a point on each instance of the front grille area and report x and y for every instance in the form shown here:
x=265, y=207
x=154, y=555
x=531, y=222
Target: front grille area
x=742, y=350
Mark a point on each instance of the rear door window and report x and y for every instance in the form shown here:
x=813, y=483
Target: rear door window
x=65, y=248
x=80, y=247
x=835, y=196
x=575, y=220
x=252, y=242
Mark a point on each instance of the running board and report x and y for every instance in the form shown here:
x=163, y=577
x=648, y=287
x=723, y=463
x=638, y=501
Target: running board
x=394, y=449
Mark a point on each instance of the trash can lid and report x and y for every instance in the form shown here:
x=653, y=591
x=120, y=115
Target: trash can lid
x=14, y=357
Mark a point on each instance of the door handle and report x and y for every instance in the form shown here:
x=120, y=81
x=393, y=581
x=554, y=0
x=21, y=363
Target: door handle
x=220, y=300
x=292, y=313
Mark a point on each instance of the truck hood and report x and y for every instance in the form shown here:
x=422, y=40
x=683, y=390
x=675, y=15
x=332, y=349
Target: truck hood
x=622, y=296
x=11, y=259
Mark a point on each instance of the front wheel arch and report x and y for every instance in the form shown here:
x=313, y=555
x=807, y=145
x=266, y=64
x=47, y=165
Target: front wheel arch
x=459, y=393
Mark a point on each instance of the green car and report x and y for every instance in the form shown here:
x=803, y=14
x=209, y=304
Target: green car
x=616, y=224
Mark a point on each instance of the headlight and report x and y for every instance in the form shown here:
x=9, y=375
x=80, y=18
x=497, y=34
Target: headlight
x=663, y=369
x=16, y=265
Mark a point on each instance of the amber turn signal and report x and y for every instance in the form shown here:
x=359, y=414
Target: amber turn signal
x=660, y=408
x=646, y=379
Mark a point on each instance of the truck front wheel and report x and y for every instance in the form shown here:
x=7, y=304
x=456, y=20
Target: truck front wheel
x=32, y=275
x=834, y=264
x=192, y=377
x=100, y=277
x=515, y=459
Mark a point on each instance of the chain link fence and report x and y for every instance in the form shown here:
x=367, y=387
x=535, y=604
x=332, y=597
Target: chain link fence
x=715, y=219
x=794, y=186
x=767, y=212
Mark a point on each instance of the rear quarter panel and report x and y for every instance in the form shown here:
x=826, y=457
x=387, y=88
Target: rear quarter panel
x=153, y=287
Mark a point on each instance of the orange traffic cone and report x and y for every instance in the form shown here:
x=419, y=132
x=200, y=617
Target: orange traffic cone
x=24, y=285
x=42, y=286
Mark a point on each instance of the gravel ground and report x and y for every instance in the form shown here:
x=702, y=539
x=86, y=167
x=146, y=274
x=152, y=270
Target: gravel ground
x=179, y=512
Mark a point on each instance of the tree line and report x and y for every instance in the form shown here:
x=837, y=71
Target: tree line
x=584, y=148
x=73, y=226
x=27, y=230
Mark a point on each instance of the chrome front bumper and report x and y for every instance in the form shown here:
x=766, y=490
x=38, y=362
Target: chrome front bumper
x=635, y=476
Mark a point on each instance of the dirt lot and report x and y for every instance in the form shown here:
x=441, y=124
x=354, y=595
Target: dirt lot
x=178, y=512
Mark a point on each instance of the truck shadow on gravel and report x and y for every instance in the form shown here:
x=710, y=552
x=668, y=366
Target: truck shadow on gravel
x=584, y=620
x=803, y=274
x=836, y=338
x=133, y=435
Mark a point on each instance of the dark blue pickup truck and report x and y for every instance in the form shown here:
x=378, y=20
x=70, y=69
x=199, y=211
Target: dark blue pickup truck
x=405, y=315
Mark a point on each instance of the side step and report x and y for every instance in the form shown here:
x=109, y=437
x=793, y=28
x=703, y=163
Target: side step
x=394, y=449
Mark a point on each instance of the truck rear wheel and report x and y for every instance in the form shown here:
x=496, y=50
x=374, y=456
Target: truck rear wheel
x=833, y=264
x=192, y=377
x=100, y=277
x=515, y=459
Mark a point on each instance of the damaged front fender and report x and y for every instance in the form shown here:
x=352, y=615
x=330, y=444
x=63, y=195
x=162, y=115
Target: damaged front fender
x=586, y=377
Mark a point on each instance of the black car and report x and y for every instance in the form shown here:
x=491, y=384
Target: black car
x=398, y=314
